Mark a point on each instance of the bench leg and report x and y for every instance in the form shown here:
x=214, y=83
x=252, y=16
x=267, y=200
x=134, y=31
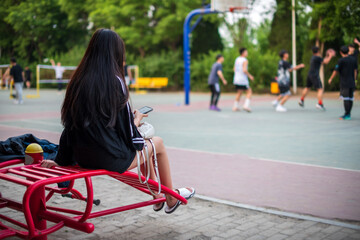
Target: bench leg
x=37, y=204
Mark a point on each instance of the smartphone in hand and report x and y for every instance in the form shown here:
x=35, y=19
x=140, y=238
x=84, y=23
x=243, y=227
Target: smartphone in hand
x=145, y=110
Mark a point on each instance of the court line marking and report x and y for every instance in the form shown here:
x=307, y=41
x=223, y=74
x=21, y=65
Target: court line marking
x=262, y=159
x=279, y=212
x=30, y=129
x=200, y=151
x=41, y=122
x=306, y=164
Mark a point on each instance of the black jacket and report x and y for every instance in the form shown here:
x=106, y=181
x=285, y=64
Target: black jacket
x=101, y=147
x=14, y=147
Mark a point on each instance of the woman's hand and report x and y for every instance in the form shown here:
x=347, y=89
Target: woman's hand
x=48, y=163
x=138, y=117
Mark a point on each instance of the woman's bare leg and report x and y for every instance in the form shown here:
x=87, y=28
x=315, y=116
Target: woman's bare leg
x=163, y=166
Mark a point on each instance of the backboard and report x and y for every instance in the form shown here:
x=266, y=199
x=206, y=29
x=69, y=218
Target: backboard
x=228, y=5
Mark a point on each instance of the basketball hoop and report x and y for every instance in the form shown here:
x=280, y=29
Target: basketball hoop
x=229, y=5
x=235, y=9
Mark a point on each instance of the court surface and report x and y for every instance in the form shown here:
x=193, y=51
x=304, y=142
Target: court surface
x=303, y=161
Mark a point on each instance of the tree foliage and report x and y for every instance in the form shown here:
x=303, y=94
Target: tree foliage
x=32, y=30
x=40, y=28
x=280, y=34
x=332, y=24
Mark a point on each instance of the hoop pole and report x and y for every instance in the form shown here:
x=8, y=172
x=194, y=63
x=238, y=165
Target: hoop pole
x=294, y=46
x=186, y=47
x=38, y=80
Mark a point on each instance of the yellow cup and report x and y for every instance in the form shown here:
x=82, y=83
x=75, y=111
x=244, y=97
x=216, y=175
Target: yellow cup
x=33, y=154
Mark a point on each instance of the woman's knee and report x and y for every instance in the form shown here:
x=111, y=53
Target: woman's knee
x=159, y=143
x=148, y=147
x=158, y=140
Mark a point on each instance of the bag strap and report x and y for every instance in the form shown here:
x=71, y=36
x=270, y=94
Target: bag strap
x=147, y=166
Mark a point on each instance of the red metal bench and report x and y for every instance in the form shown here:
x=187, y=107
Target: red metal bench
x=37, y=181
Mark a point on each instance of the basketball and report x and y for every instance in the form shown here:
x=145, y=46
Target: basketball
x=331, y=52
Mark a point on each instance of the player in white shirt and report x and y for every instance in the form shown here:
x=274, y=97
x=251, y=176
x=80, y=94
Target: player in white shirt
x=59, y=70
x=241, y=80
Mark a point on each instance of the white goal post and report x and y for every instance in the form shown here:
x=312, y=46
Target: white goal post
x=4, y=83
x=48, y=80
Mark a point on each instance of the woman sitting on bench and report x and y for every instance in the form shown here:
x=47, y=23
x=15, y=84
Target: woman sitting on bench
x=100, y=129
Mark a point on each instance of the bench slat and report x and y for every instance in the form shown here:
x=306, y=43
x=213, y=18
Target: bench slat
x=50, y=170
x=24, y=174
x=38, y=172
x=13, y=179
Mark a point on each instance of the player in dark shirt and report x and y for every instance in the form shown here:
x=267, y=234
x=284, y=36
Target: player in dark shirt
x=27, y=77
x=353, y=51
x=17, y=75
x=213, y=81
x=313, y=78
x=283, y=79
x=347, y=69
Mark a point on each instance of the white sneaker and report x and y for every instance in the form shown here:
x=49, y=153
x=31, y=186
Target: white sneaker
x=235, y=109
x=280, y=108
x=21, y=102
x=274, y=103
x=320, y=106
x=247, y=109
x=16, y=102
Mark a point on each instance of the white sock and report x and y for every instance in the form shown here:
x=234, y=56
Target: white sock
x=236, y=104
x=247, y=103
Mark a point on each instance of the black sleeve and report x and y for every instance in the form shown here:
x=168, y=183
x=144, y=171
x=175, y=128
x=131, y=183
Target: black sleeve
x=127, y=125
x=12, y=71
x=287, y=65
x=64, y=155
x=136, y=138
x=127, y=129
x=356, y=53
x=320, y=59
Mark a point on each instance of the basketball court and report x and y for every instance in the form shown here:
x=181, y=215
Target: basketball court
x=304, y=161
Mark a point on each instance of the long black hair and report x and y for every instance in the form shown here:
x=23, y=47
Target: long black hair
x=94, y=92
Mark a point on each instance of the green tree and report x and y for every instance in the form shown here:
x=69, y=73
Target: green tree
x=130, y=19
x=333, y=24
x=280, y=34
x=6, y=31
x=77, y=14
x=146, y=26
x=206, y=37
x=40, y=29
